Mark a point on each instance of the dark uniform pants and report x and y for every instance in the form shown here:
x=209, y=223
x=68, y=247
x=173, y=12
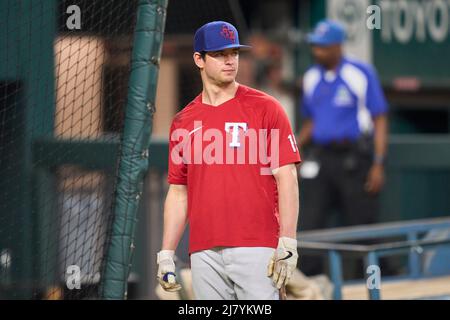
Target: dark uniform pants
x=338, y=187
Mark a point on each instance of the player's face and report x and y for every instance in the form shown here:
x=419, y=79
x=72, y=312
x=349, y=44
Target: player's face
x=326, y=55
x=221, y=67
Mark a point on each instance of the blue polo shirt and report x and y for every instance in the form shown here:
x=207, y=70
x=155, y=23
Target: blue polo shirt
x=342, y=103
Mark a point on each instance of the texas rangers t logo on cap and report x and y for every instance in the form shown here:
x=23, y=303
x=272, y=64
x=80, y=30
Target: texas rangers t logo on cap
x=228, y=33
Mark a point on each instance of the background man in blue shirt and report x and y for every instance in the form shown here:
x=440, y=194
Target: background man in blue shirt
x=345, y=128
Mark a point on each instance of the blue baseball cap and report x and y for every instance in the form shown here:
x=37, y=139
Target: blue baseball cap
x=216, y=36
x=327, y=32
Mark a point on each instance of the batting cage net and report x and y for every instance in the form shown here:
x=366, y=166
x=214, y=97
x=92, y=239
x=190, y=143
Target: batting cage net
x=64, y=70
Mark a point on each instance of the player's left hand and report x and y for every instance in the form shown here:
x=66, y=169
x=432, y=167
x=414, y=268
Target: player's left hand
x=283, y=262
x=375, y=179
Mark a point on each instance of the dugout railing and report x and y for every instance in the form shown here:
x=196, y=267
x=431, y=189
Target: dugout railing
x=335, y=243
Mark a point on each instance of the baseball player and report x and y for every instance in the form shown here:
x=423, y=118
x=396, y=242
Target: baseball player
x=233, y=177
x=345, y=129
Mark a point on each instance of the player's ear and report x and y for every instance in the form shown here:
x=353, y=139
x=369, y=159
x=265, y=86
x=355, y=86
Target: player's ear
x=199, y=60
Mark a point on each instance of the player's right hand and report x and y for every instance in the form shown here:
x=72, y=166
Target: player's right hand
x=166, y=271
x=283, y=262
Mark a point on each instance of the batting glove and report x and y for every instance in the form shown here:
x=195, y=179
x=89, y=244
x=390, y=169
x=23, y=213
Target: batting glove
x=166, y=271
x=283, y=262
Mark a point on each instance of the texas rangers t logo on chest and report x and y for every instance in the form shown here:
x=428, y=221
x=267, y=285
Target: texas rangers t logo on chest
x=234, y=128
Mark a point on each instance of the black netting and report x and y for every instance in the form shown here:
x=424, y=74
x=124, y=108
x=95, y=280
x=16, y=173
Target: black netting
x=62, y=98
